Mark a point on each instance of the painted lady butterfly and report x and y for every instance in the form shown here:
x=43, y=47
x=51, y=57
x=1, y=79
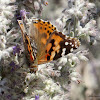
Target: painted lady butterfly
x=44, y=43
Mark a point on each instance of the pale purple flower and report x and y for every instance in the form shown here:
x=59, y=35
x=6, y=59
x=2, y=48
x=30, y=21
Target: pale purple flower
x=13, y=65
x=9, y=97
x=36, y=97
x=16, y=49
x=23, y=13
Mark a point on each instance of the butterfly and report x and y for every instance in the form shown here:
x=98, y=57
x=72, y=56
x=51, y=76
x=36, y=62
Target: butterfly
x=43, y=43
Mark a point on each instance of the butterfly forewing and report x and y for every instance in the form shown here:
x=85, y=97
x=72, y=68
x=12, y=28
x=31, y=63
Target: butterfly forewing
x=30, y=52
x=40, y=32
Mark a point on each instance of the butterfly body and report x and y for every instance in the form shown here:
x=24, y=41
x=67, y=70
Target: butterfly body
x=44, y=43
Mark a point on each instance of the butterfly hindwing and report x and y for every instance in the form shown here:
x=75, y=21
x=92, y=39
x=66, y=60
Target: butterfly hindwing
x=59, y=45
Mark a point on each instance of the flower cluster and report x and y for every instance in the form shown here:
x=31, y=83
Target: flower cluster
x=52, y=80
x=6, y=33
x=7, y=36
x=79, y=20
x=6, y=14
x=35, y=5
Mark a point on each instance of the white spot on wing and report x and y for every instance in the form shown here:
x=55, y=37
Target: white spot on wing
x=76, y=43
x=76, y=46
x=70, y=43
x=71, y=50
x=66, y=43
x=63, y=51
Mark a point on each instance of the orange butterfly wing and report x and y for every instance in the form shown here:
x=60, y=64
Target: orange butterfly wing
x=51, y=44
x=39, y=33
x=30, y=53
x=58, y=46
